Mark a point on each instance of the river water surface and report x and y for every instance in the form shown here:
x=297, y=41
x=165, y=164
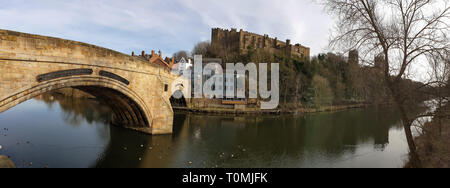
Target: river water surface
x=58, y=131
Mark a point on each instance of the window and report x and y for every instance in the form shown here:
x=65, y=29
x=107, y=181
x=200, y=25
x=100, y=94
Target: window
x=166, y=87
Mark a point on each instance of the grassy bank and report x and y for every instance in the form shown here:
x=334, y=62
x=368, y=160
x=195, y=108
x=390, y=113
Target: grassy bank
x=433, y=146
x=276, y=111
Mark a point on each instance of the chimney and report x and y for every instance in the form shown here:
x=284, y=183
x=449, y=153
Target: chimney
x=159, y=52
x=153, y=53
x=172, y=62
x=132, y=53
x=143, y=53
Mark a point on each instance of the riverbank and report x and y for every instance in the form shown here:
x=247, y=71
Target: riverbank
x=5, y=162
x=433, y=146
x=70, y=92
x=274, y=112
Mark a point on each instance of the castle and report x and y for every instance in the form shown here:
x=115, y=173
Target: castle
x=240, y=42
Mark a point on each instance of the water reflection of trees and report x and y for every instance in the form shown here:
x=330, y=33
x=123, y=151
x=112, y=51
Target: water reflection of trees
x=204, y=138
x=77, y=110
x=326, y=133
x=210, y=140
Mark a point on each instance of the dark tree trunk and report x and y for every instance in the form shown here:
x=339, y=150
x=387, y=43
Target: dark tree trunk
x=407, y=123
x=414, y=157
x=285, y=95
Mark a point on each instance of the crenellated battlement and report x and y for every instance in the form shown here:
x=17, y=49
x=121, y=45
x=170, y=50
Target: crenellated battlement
x=234, y=41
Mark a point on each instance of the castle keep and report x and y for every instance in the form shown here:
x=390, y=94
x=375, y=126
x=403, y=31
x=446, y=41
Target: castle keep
x=233, y=41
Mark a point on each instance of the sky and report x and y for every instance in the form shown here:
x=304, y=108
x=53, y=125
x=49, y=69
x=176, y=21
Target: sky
x=166, y=25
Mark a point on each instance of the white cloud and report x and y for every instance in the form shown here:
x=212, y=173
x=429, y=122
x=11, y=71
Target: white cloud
x=301, y=21
x=169, y=25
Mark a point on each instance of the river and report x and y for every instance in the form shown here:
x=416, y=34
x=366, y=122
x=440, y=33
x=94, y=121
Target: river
x=57, y=131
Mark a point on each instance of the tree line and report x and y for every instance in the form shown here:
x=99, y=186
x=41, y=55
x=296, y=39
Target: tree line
x=324, y=80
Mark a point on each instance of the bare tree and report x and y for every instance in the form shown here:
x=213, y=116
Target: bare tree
x=404, y=31
x=202, y=48
x=180, y=54
x=439, y=74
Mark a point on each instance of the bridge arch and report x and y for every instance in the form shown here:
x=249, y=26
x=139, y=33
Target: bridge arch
x=129, y=110
x=139, y=90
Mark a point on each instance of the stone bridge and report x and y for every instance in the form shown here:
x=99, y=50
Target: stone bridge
x=137, y=91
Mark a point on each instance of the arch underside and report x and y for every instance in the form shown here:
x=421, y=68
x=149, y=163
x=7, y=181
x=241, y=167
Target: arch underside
x=178, y=99
x=125, y=111
x=128, y=109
